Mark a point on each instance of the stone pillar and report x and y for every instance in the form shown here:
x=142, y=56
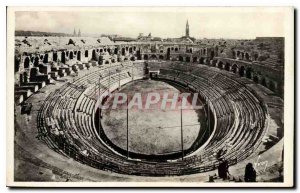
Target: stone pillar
x=21, y=78
x=26, y=78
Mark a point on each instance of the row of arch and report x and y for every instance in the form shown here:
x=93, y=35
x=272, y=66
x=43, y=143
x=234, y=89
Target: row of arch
x=249, y=73
x=194, y=59
x=77, y=54
x=243, y=71
x=243, y=55
x=44, y=58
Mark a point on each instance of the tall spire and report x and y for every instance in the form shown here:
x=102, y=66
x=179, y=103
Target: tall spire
x=187, y=29
x=74, y=33
x=79, y=33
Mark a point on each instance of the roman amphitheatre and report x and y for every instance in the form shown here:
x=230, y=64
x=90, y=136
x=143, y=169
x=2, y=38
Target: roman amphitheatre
x=61, y=134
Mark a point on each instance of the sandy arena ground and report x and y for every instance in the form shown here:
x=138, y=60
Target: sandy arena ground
x=154, y=130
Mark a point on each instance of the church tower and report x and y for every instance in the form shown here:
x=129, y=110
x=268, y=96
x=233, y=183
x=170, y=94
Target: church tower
x=187, y=29
x=74, y=33
x=79, y=33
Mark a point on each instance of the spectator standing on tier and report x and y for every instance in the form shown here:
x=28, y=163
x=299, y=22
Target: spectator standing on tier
x=223, y=169
x=250, y=173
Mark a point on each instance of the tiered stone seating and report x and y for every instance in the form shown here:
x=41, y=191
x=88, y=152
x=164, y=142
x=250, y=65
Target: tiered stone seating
x=24, y=92
x=32, y=88
x=223, y=108
x=72, y=109
x=38, y=84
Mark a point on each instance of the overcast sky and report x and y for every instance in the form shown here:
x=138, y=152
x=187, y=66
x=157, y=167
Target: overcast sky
x=161, y=22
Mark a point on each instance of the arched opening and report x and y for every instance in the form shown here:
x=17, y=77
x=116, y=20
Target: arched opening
x=78, y=55
x=195, y=59
x=105, y=49
x=263, y=82
x=55, y=57
x=220, y=65
x=130, y=50
x=116, y=51
x=187, y=59
x=204, y=51
x=234, y=68
x=255, y=56
x=26, y=62
x=123, y=51
x=41, y=57
x=153, y=57
x=181, y=58
x=238, y=53
x=247, y=56
x=63, y=57
x=161, y=57
x=168, y=53
x=249, y=72
x=145, y=57
x=100, y=60
x=134, y=48
x=227, y=66
x=213, y=62
x=126, y=48
x=242, y=71
x=86, y=53
x=255, y=79
x=45, y=60
x=101, y=50
x=176, y=49
x=272, y=86
x=233, y=55
x=243, y=55
x=132, y=58
x=106, y=62
x=67, y=53
x=36, y=61
x=138, y=55
x=201, y=61
x=113, y=60
x=94, y=55
x=75, y=52
x=17, y=63
x=71, y=56
x=212, y=54
x=108, y=50
x=125, y=59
